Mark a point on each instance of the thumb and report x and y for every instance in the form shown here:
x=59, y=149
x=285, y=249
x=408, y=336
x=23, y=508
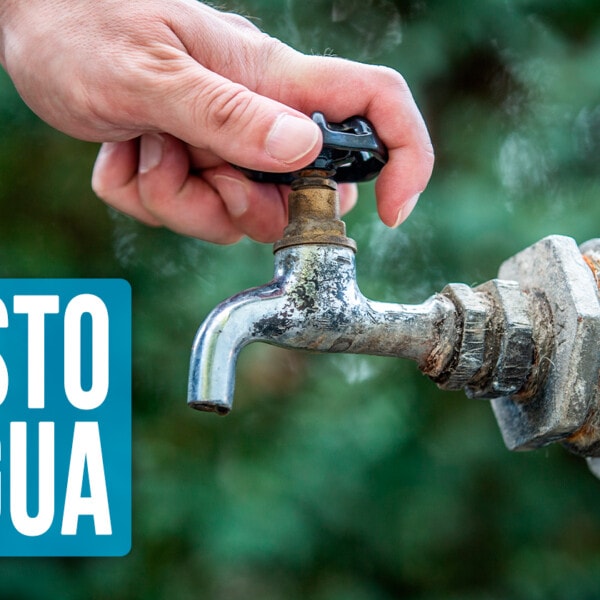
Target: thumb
x=237, y=124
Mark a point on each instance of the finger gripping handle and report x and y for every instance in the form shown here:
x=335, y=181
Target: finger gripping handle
x=351, y=150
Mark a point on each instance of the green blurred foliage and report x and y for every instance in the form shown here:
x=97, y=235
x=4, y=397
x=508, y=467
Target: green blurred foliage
x=343, y=477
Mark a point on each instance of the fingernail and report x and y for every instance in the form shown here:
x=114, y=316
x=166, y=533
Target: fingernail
x=104, y=154
x=291, y=138
x=234, y=193
x=151, y=151
x=406, y=209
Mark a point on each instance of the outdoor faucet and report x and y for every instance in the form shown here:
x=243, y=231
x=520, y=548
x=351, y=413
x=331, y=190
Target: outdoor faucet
x=313, y=303
x=528, y=340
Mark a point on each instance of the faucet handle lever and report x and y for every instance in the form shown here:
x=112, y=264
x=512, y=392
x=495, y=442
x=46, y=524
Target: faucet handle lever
x=352, y=150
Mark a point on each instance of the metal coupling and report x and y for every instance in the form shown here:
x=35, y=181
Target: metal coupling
x=529, y=341
x=494, y=353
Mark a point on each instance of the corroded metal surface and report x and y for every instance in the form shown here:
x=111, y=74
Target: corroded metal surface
x=561, y=406
x=473, y=313
x=509, y=337
x=494, y=353
x=313, y=303
x=528, y=340
x=586, y=440
x=314, y=213
x=590, y=251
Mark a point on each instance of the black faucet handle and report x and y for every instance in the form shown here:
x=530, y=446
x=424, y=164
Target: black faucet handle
x=352, y=151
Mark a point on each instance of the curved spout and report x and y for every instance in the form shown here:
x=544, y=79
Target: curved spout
x=313, y=303
x=226, y=330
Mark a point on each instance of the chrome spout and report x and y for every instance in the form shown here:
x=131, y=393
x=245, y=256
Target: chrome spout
x=226, y=330
x=313, y=303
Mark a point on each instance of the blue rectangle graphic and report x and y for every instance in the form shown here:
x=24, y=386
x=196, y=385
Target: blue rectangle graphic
x=65, y=417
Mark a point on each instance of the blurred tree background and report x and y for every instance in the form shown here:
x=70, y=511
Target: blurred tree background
x=343, y=477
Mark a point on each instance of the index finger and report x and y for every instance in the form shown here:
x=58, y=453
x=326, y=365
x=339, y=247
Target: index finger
x=340, y=89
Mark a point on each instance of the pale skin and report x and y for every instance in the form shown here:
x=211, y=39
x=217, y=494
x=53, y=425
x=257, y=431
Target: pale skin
x=176, y=91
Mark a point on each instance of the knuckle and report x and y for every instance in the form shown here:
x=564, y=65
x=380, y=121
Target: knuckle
x=272, y=50
x=152, y=203
x=239, y=22
x=227, y=105
x=148, y=220
x=390, y=77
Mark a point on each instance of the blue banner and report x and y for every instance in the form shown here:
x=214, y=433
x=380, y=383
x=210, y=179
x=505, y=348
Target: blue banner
x=65, y=417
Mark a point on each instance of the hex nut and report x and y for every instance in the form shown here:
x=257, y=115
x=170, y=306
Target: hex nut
x=510, y=342
x=555, y=268
x=586, y=440
x=473, y=313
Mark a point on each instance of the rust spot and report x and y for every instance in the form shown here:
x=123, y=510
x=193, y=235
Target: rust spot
x=314, y=213
x=595, y=267
x=586, y=440
x=543, y=343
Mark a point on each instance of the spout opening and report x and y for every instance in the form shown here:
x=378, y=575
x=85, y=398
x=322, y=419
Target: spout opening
x=211, y=406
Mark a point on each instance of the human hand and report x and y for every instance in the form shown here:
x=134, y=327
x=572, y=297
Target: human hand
x=201, y=89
